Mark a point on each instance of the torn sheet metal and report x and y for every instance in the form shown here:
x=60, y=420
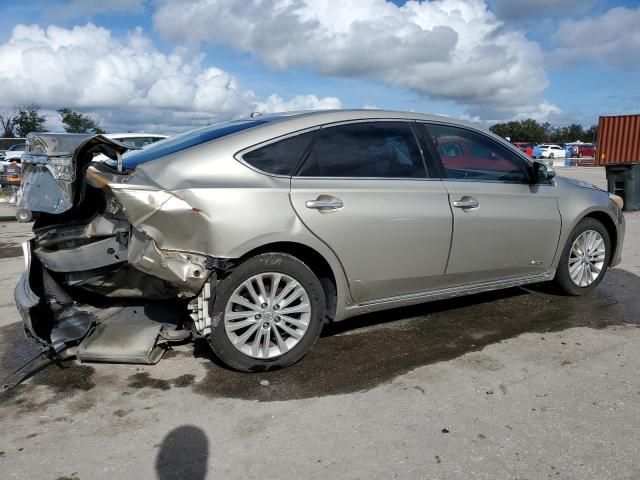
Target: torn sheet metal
x=90, y=256
x=100, y=226
x=166, y=231
x=165, y=216
x=185, y=270
x=122, y=281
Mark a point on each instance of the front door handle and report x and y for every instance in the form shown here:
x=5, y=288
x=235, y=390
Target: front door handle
x=466, y=202
x=324, y=204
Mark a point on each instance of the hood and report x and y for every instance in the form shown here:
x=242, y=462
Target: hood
x=582, y=184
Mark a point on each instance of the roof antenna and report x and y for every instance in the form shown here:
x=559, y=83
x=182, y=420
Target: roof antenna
x=255, y=114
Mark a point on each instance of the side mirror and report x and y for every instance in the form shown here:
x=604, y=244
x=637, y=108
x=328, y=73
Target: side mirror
x=542, y=173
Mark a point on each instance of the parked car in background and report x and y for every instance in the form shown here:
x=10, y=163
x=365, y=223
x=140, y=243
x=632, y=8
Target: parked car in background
x=587, y=150
x=14, y=152
x=552, y=151
x=524, y=145
x=10, y=173
x=271, y=227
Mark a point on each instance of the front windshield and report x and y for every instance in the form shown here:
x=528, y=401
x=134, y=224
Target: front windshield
x=182, y=141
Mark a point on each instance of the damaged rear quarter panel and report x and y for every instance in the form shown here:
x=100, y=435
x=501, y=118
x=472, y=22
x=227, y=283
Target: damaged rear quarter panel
x=202, y=201
x=210, y=203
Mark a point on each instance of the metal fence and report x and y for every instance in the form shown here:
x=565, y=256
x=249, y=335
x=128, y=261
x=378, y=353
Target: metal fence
x=5, y=143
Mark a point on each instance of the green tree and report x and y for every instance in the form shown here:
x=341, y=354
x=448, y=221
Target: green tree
x=530, y=130
x=567, y=134
x=591, y=134
x=76, y=122
x=28, y=119
x=527, y=130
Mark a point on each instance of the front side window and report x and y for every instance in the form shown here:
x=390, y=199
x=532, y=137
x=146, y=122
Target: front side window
x=472, y=156
x=365, y=150
x=281, y=157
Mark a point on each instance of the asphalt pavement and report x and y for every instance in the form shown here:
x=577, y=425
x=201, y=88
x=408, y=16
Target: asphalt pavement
x=520, y=383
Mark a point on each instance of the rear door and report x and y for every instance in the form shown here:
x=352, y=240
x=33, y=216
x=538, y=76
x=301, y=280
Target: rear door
x=504, y=227
x=363, y=189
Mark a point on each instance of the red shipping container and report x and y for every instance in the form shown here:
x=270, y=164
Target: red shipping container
x=618, y=140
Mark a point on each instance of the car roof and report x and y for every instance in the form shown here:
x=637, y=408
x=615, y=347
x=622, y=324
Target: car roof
x=339, y=115
x=296, y=121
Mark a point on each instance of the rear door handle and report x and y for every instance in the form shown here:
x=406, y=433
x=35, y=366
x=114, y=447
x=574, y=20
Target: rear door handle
x=324, y=204
x=466, y=202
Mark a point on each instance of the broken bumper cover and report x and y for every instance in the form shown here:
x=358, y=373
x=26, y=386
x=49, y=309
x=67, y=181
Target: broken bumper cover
x=111, y=332
x=26, y=301
x=113, y=257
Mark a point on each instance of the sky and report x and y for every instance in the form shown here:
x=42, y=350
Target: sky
x=171, y=65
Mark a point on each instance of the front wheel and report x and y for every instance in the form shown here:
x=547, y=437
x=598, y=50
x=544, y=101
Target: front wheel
x=267, y=314
x=585, y=258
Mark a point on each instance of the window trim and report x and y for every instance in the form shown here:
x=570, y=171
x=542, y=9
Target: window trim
x=410, y=123
x=517, y=153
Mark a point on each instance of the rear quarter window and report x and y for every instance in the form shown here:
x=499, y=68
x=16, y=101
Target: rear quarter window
x=280, y=157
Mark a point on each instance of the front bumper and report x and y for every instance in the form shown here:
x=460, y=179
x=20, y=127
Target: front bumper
x=621, y=228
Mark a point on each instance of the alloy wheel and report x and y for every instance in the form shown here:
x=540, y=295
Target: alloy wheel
x=586, y=259
x=267, y=315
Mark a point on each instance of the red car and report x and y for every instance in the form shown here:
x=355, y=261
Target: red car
x=587, y=150
x=459, y=154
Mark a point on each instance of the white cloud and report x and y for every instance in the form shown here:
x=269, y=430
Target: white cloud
x=126, y=83
x=612, y=39
x=447, y=49
x=275, y=103
x=528, y=9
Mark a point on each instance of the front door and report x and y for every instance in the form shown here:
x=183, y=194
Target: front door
x=504, y=227
x=364, y=191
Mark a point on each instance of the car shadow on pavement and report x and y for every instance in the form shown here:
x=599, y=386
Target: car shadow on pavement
x=183, y=454
x=364, y=352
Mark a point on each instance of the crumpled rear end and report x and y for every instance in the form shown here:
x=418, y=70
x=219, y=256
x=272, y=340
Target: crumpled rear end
x=104, y=280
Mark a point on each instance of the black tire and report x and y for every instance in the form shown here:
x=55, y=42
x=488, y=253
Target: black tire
x=24, y=216
x=551, y=155
x=267, y=262
x=563, y=279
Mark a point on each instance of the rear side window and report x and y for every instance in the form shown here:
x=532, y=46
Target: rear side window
x=368, y=150
x=281, y=157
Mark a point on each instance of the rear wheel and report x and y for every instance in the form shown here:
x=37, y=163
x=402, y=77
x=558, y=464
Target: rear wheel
x=585, y=258
x=271, y=310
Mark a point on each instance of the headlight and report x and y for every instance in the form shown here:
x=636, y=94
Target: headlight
x=617, y=200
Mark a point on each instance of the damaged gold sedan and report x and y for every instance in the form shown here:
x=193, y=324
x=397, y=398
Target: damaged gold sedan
x=253, y=234
x=127, y=254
